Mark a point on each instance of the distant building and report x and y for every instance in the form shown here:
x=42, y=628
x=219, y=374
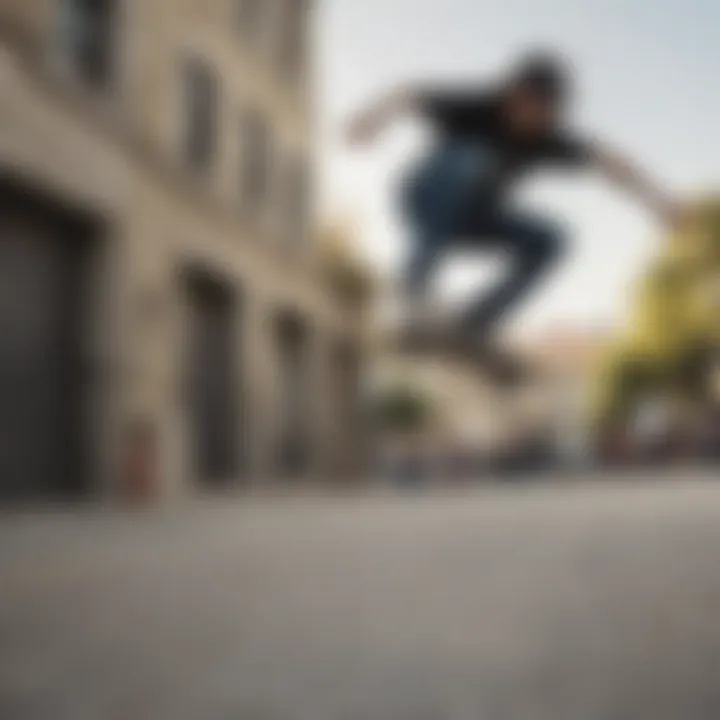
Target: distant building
x=473, y=415
x=468, y=416
x=566, y=361
x=163, y=320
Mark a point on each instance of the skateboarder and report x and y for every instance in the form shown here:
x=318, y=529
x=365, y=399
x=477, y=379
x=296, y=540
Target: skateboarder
x=487, y=138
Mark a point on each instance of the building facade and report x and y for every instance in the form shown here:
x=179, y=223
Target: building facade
x=162, y=312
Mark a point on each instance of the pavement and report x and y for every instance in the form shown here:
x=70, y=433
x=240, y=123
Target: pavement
x=573, y=601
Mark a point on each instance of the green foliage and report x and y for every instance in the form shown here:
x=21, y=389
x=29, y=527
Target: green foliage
x=403, y=410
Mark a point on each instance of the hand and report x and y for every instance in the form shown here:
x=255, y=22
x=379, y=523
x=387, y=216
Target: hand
x=368, y=125
x=362, y=129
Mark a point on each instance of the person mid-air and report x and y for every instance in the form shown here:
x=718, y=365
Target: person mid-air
x=487, y=137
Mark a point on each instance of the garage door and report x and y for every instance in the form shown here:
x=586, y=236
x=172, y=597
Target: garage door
x=41, y=264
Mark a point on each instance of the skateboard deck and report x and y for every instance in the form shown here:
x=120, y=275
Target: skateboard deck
x=501, y=366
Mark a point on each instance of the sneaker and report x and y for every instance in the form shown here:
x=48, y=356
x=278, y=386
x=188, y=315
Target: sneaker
x=424, y=325
x=503, y=367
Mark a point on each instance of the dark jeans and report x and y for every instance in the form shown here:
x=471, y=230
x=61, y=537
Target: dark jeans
x=446, y=209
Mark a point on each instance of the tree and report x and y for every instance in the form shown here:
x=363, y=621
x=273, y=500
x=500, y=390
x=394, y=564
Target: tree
x=403, y=410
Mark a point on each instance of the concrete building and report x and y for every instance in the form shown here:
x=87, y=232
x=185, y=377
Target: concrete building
x=163, y=314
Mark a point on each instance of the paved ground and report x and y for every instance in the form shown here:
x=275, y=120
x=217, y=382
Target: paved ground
x=558, y=603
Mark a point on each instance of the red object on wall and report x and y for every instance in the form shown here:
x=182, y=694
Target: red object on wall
x=141, y=477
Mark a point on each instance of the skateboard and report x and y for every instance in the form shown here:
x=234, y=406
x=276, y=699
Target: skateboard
x=501, y=367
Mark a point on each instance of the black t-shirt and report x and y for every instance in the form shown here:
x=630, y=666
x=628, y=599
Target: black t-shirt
x=476, y=116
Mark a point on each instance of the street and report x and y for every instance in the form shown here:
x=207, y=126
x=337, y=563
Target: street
x=587, y=601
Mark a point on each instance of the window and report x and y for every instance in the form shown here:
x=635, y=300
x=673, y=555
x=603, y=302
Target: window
x=292, y=45
x=256, y=157
x=292, y=346
x=200, y=114
x=87, y=30
x=297, y=202
x=250, y=18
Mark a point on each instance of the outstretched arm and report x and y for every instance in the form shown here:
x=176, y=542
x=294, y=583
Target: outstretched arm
x=628, y=176
x=367, y=125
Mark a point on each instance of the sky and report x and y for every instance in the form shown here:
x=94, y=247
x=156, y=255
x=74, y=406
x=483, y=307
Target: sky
x=647, y=73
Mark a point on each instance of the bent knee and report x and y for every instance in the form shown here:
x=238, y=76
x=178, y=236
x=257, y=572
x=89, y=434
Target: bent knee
x=546, y=242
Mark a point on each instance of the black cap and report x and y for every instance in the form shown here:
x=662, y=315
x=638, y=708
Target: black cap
x=545, y=74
